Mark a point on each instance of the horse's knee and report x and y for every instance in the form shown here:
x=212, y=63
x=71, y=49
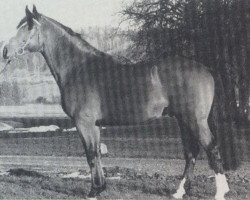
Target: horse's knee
x=89, y=133
x=90, y=136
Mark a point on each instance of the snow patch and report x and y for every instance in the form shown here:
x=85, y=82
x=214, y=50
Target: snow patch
x=76, y=175
x=6, y=173
x=70, y=129
x=82, y=176
x=32, y=110
x=44, y=128
x=5, y=127
x=114, y=178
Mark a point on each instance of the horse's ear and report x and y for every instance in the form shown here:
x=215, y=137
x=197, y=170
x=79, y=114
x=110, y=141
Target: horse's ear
x=35, y=13
x=29, y=18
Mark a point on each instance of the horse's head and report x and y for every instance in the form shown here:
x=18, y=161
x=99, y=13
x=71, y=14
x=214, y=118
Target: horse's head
x=27, y=38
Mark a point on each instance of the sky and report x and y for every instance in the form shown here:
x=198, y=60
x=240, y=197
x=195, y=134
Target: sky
x=75, y=14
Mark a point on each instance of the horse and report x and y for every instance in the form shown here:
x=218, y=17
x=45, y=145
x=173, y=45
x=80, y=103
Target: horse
x=98, y=90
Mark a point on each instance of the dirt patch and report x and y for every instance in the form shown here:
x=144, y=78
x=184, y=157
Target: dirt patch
x=23, y=172
x=131, y=184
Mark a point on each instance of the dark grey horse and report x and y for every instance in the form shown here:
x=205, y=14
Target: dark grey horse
x=97, y=90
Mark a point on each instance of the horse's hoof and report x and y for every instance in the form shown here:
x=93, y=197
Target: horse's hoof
x=96, y=191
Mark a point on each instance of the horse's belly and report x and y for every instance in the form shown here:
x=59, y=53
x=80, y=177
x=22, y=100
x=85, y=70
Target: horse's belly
x=124, y=113
x=133, y=110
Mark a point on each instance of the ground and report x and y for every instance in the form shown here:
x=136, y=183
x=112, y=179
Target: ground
x=42, y=177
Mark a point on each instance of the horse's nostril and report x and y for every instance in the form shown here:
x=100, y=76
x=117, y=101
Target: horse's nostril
x=5, y=53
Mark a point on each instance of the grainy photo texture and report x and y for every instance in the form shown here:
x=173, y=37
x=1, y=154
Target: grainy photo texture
x=125, y=99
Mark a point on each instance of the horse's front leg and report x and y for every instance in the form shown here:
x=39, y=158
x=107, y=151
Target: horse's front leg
x=90, y=135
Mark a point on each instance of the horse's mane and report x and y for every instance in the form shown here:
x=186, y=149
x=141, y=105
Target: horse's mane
x=67, y=29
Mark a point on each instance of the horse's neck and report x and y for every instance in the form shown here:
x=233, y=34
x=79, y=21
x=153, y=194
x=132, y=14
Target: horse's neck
x=64, y=53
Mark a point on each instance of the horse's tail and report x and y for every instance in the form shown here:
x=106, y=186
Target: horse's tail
x=222, y=128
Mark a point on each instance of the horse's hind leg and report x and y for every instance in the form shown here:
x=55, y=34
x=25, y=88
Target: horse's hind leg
x=90, y=135
x=208, y=141
x=191, y=151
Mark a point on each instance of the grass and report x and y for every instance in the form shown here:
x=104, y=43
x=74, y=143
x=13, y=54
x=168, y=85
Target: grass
x=140, y=179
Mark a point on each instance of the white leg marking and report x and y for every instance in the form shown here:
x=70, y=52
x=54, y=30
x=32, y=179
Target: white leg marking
x=92, y=198
x=221, y=186
x=181, y=191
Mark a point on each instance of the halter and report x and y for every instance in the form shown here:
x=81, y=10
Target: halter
x=20, y=51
